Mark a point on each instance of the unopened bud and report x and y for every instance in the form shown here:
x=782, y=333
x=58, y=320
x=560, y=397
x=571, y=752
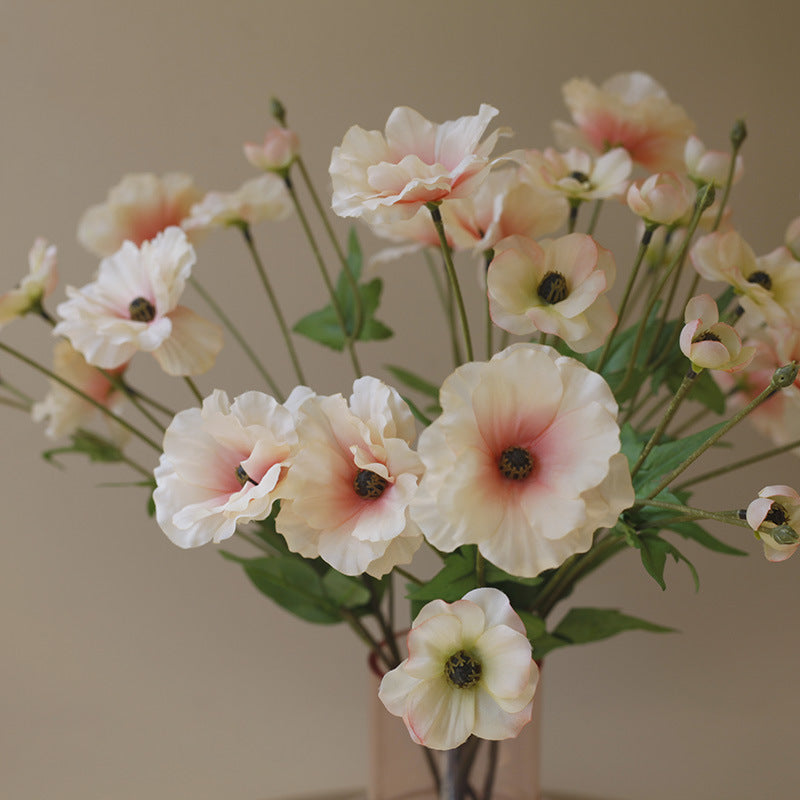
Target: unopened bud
x=785, y=376
x=278, y=110
x=738, y=133
x=784, y=534
x=705, y=196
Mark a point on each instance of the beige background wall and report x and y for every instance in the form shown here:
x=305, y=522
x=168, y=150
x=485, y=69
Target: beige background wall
x=130, y=669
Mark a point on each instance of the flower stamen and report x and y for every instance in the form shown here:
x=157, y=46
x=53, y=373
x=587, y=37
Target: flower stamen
x=777, y=515
x=243, y=477
x=515, y=463
x=707, y=336
x=761, y=278
x=142, y=310
x=368, y=484
x=553, y=288
x=462, y=670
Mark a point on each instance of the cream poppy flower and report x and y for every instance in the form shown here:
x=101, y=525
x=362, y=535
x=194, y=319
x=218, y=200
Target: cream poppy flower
x=629, y=110
x=709, y=343
x=662, y=198
x=133, y=305
x=469, y=671
x=710, y=166
x=221, y=466
x=390, y=175
x=256, y=200
x=40, y=281
x=557, y=286
x=776, y=509
x=276, y=153
x=66, y=411
x=524, y=460
x=137, y=208
x=353, y=474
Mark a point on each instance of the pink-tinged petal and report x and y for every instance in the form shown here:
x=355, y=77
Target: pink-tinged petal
x=407, y=131
x=395, y=686
x=193, y=345
x=493, y=723
x=507, y=663
x=496, y=608
x=431, y=643
x=703, y=307
x=709, y=354
x=757, y=512
x=441, y=717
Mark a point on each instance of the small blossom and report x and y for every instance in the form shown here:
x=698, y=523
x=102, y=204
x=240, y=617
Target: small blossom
x=776, y=509
x=66, y=411
x=221, y=466
x=524, y=460
x=629, y=110
x=133, y=305
x=391, y=175
x=276, y=154
x=352, y=476
x=709, y=166
x=709, y=343
x=137, y=208
x=259, y=199
x=40, y=281
x=662, y=198
x=557, y=286
x=469, y=671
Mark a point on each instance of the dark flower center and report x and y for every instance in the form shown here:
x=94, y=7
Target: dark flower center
x=581, y=177
x=243, y=477
x=369, y=484
x=142, y=310
x=761, y=278
x=553, y=288
x=707, y=336
x=777, y=515
x=515, y=463
x=462, y=670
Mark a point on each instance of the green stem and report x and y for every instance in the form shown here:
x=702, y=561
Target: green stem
x=408, y=576
x=660, y=403
x=58, y=379
x=337, y=306
x=248, y=351
x=777, y=383
x=693, y=420
x=445, y=294
x=152, y=402
x=119, y=382
x=287, y=337
x=193, y=388
x=436, y=214
x=598, y=205
x=386, y=630
x=687, y=512
x=574, y=205
x=655, y=438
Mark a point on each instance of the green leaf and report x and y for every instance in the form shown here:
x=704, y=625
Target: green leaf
x=419, y=415
x=631, y=444
x=691, y=530
x=293, y=583
x=451, y=583
x=583, y=625
x=705, y=390
x=414, y=381
x=346, y=591
x=654, y=552
x=97, y=448
x=355, y=260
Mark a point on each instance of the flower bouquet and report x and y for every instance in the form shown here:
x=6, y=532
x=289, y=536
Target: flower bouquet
x=560, y=439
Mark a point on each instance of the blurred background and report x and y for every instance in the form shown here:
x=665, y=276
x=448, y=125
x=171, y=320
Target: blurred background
x=132, y=669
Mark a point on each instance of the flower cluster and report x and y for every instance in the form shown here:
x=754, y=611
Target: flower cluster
x=522, y=471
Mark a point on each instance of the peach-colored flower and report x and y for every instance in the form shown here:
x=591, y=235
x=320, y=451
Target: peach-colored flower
x=557, y=286
x=524, y=460
x=64, y=410
x=391, y=175
x=137, y=208
x=710, y=166
x=469, y=671
x=133, y=305
x=352, y=476
x=256, y=200
x=221, y=466
x=629, y=110
x=775, y=517
x=662, y=198
x=40, y=281
x=279, y=150
x=709, y=343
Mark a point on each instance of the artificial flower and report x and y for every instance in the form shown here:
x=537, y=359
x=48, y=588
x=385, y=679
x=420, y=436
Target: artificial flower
x=352, y=476
x=710, y=166
x=133, y=305
x=557, y=286
x=792, y=237
x=629, y=110
x=66, y=411
x=137, y=208
x=40, y=281
x=278, y=151
x=469, y=671
x=524, y=460
x=392, y=174
x=709, y=343
x=221, y=466
x=776, y=509
x=660, y=199
x=256, y=200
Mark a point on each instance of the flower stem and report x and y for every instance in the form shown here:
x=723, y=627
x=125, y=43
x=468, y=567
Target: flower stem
x=193, y=388
x=686, y=512
x=248, y=351
x=119, y=382
x=287, y=338
x=436, y=214
x=58, y=379
x=337, y=306
x=446, y=300
x=598, y=205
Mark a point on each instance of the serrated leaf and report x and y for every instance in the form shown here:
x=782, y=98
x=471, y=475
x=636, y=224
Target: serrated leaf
x=414, y=381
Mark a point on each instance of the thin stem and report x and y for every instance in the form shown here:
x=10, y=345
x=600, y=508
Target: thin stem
x=58, y=379
x=693, y=420
x=745, y=462
x=408, y=576
x=119, y=382
x=574, y=205
x=234, y=331
x=386, y=630
x=480, y=568
x=737, y=144
x=193, y=387
x=363, y=633
x=337, y=306
x=683, y=390
x=686, y=512
x=4, y=401
x=491, y=771
x=287, y=338
x=660, y=403
x=436, y=214
x=255, y=541
x=598, y=205
x=152, y=402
